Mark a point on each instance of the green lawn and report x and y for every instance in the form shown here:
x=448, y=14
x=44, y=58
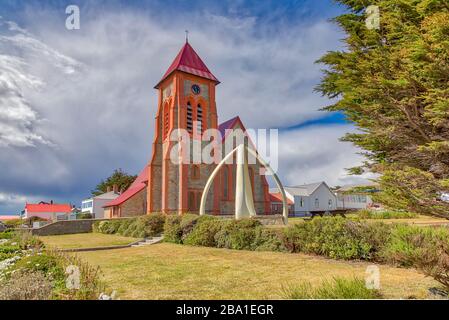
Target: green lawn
x=86, y=240
x=169, y=271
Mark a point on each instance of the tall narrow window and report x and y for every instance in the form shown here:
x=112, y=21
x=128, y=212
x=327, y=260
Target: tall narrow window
x=199, y=119
x=195, y=172
x=189, y=117
x=317, y=203
x=225, y=182
x=166, y=121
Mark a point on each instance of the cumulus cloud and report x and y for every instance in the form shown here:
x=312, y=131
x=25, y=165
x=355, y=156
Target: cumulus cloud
x=315, y=154
x=81, y=103
x=18, y=118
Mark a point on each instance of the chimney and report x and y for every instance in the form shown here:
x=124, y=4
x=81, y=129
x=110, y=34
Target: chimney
x=108, y=189
x=115, y=188
x=51, y=201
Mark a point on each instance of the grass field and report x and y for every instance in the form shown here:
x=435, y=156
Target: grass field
x=169, y=271
x=85, y=240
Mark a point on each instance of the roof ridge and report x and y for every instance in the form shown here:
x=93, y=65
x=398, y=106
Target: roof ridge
x=187, y=60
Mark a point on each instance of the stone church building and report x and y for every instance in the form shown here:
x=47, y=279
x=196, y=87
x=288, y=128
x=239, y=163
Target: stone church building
x=186, y=100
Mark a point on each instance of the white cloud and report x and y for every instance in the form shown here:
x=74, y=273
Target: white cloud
x=314, y=154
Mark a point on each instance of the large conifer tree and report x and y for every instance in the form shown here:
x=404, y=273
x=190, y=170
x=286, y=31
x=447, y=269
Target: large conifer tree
x=393, y=83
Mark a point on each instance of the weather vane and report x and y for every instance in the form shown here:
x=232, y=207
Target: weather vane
x=187, y=35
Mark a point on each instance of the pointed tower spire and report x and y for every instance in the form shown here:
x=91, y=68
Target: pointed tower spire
x=188, y=61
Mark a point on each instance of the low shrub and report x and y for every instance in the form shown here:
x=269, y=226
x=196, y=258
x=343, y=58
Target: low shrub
x=139, y=227
x=188, y=222
x=26, y=240
x=84, y=216
x=238, y=234
x=48, y=269
x=337, y=288
x=42, y=262
x=154, y=224
x=268, y=240
x=124, y=225
x=7, y=234
x=425, y=248
x=14, y=223
x=385, y=214
x=24, y=285
x=107, y=226
x=201, y=231
x=172, y=229
x=337, y=238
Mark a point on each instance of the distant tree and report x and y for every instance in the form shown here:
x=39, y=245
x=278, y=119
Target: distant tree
x=393, y=83
x=119, y=178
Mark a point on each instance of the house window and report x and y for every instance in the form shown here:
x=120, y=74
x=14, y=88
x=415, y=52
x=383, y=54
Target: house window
x=189, y=123
x=225, y=182
x=330, y=203
x=317, y=203
x=301, y=202
x=195, y=172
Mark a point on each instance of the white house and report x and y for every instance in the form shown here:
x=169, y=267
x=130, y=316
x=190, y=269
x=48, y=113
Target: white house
x=348, y=198
x=95, y=204
x=311, y=198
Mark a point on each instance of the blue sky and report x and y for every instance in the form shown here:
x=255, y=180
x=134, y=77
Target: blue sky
x=80, y=103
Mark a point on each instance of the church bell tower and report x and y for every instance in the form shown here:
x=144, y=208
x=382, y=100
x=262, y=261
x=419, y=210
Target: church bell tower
x=186, y=100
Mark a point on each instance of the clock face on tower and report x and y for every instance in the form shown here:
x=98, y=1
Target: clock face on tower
x=196, y=89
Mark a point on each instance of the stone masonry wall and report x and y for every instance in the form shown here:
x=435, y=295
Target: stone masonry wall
x=135, y=206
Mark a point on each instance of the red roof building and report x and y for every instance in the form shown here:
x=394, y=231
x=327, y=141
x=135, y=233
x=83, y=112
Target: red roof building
x=277, y=205
x=137, y=191
x=48, y=211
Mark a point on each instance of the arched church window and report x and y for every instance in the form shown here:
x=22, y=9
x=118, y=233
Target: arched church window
x=189, y=123
x=166, y=120
x=199, y=118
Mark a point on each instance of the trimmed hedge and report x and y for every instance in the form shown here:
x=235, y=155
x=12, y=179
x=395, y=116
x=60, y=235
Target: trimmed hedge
x=209, y=231
x=338, y=238
x=140, y=227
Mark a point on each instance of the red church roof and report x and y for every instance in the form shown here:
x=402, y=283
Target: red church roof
x=188, y=61
x=228, y=125
x=48, y=207
x=139, y=184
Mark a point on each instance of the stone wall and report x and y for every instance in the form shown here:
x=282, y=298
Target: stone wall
x=135, y=206
x=65, y=227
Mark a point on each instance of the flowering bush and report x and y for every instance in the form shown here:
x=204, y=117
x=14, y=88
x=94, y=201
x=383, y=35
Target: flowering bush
x=27, y=271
